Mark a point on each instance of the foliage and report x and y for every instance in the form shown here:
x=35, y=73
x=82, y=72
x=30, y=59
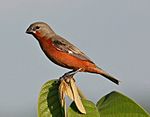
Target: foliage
x=113, y=104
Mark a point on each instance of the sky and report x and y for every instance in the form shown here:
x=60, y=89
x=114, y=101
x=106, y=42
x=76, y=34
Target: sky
x=114, y=34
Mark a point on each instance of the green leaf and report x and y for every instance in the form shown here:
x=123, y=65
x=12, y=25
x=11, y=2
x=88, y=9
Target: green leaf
x=91, y=110
x=49, y=103
x=116, y=104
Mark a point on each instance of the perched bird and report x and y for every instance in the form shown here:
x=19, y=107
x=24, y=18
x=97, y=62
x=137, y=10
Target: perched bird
x=62, y=52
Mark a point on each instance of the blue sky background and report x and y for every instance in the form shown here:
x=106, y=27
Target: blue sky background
x=115, y=34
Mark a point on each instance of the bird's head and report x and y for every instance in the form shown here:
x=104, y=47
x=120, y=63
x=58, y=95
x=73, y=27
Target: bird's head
x=40, y=30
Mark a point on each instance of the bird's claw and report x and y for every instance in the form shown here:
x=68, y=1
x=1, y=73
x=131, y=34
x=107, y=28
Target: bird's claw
x=69, y=74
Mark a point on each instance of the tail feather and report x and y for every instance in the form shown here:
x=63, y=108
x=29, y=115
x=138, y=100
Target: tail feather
x=106, y=75
x=109, y=77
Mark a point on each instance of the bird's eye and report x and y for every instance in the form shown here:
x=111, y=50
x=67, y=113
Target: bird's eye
x=37, y=27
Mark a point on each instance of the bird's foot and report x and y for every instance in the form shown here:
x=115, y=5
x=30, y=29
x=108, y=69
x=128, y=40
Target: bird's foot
x=69, y=74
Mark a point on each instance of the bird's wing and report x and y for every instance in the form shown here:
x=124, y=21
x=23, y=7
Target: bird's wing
x=63, y=45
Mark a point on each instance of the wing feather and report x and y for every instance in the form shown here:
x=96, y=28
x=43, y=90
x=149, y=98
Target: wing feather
x=63, y=45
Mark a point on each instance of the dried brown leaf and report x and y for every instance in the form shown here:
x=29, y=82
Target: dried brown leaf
x=77, y=98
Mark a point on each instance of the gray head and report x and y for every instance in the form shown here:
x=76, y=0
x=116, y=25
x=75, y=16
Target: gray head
x=40, y=29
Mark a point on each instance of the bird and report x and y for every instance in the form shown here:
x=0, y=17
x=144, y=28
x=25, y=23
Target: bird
x=63, y=53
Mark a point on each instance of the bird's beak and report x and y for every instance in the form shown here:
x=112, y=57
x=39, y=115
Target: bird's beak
x=29, y=31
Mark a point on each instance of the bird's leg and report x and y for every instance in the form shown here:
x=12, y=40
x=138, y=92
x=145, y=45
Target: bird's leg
x=70, y=74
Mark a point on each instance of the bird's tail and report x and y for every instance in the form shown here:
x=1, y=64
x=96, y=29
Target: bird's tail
x=106, y=75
